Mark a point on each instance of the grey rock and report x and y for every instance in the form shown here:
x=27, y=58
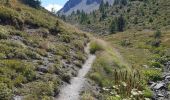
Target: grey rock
x=42, y=69
x=153, y=85
x=159, y=86
x=160, y=95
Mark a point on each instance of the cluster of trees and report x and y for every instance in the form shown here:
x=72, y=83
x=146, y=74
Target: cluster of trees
x=102, y=8
x=83, y=17
x=32, y=3
x=118, y=24
x=121, y=2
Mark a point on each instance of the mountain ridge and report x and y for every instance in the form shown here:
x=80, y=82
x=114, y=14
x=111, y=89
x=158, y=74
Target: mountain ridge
x=87, y=6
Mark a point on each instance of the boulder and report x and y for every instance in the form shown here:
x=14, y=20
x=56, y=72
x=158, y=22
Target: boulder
x=160, y=95
x=153, y=85
x=42, y=69
x=159, y=86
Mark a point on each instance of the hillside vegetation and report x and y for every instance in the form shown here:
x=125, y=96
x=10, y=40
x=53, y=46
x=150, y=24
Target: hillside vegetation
x=126, y=62
x=38, y=52
x=137, y=14
x=135, y=51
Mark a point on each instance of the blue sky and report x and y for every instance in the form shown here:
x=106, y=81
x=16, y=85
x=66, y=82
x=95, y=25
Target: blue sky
x=56, y=4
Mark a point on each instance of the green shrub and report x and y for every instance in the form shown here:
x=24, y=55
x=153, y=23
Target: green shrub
x=65, y=38
x=18, y=80
x=125, y=43
x=156, y=64
x=3, y=35
x=96, y=77
x=78, y=44
x=169, y=87
x=95, y=46
x=66, y=78
x=20, y=54
x=40, y=89
x=2, y=56
x=113, y=98
x=32, y=54
x=42, y=52
x=87, y=96
x=147, y=93
x=5, y=92
x=9, y=16
x=17, y=33
x=157, y=34
x=20, y=68
x=29, y=74
x=155, y=43
x=152, y=74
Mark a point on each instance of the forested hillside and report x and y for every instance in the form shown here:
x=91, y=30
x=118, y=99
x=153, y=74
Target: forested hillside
x=133, y=14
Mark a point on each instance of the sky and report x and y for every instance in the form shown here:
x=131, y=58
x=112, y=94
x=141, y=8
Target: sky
x=56, y=4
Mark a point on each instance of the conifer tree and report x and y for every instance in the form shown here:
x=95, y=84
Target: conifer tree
x=32, y=3
x=121, y=23
x=113, y=27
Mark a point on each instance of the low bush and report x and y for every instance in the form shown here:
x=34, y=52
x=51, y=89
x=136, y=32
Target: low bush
x=96, y=46
x=156, y=64
x=125, y=43
x=96, y=77
x=147, y=93
x=152, y=74
x=113, y=98
x=157, y=34
x=66, y=78
x=9, y=16
x=155, y=43
x=5, y=92
x=87, y=96
x=3, y=35
x=2, y=56
x=39, y=89
x=169, y=87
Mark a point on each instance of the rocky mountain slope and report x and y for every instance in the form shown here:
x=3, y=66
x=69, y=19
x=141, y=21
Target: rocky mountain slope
x=82, y=5
x=38, y=51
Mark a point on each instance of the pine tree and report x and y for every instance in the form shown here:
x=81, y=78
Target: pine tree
x=63, y=17
x=113, y=27
x=116, y=2
x=101, y=8
x=121, y=23
x=124, y=2
x=32, y=3
x=107, y=4
x=83, y=17
x=78, y=12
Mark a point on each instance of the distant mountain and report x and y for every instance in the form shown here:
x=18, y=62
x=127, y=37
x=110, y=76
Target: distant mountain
x=82, y=5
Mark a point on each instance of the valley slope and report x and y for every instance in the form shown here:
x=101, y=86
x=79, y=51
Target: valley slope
x=38, y=51
x=138, y=30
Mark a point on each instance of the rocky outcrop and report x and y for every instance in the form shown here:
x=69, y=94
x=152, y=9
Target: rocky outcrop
x=160, y=88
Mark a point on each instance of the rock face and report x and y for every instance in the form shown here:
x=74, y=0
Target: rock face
x=82, y=5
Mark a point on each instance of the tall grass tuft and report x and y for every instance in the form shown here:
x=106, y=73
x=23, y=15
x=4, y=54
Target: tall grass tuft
x=95, y=46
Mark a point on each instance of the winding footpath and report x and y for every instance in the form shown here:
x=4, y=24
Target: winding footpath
x=72, y=91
